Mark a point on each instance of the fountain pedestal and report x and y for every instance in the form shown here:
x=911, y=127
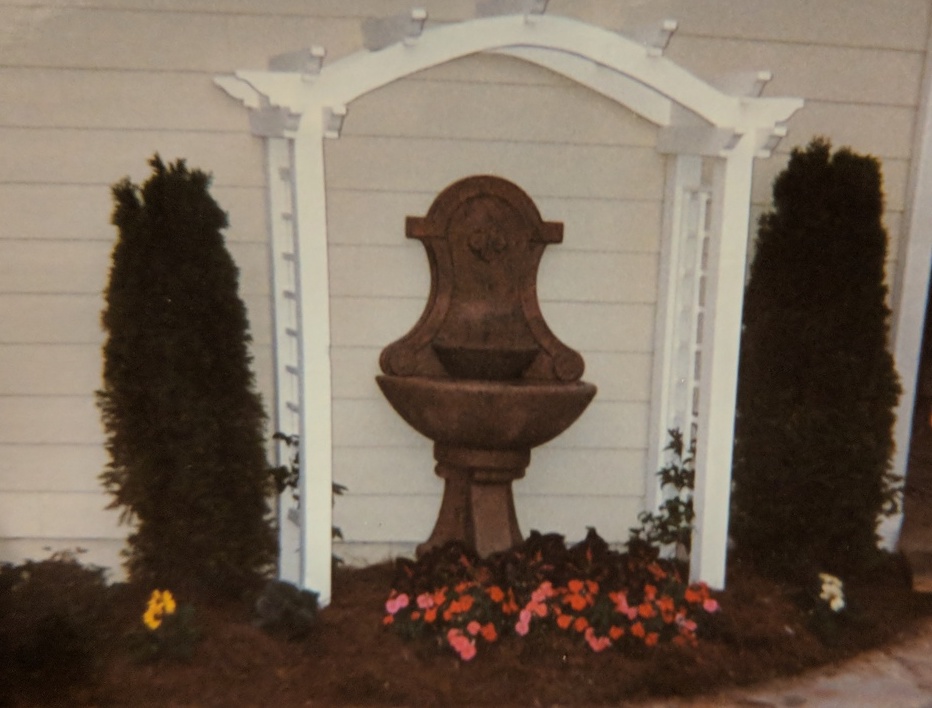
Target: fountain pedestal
x=481, y=374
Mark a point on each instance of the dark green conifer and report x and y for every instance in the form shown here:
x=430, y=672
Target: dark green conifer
x=817, y=384
x=185, y=427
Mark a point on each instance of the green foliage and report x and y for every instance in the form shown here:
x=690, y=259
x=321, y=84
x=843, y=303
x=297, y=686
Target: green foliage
x=817, y=386
x=52, y=627
x=185, y=426
x=673, y=522
x=168, y=630
x=285, y=610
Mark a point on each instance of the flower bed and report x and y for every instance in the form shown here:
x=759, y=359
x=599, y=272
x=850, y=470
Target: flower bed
x=627, y=601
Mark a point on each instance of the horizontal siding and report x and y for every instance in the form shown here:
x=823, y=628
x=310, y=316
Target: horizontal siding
x=465, y=110
x=51, y=467
x=359, y=217
x=101, y=157
x=604, y=424
x=50, y=419
x=896, y=24
x=81, y=212
x=560, y=471
x=75, y=514
x=540, y=169
x=858, y=75
x=405, y=518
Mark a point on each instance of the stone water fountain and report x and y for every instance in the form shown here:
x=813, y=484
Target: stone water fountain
x=480, y=373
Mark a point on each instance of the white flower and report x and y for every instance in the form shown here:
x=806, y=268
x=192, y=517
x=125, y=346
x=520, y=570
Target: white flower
x=832, y=592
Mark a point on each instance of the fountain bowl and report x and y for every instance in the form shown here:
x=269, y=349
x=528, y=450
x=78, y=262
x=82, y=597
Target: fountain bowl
x=491, y=415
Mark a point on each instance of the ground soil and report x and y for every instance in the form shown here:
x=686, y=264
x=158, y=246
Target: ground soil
x=352, y=660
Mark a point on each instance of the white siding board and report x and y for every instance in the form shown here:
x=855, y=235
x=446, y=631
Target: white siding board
x=354, y=370
x=398, y=271
x=360, y=217
x=467, y=110
x=98, y=38
x=54, y=266
x=569, y=276
x=66, y=369
x=845, y=74
x=599, y=327
x=118, y=100
x=882, y=131
x=51, y=467
x=77, y=515
x=51, y=319
x=608, y=425
x=572, y=515
x=102, y=157
x=620, y=376
x=896, y=24
x=372, y=423
x=50, y=419
x=540, y=169
x=375, y=322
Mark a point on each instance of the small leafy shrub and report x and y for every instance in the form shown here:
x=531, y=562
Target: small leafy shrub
x=53, y=626
x=168, y=631
x=287, y=610
x=630, y=601
x=817, y=385
x=287, y=476
x=672, y=524
x=826, y=606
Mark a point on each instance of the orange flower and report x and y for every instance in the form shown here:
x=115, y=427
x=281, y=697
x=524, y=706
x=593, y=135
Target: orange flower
x=579, y=594
x=496, y=594
x=658, y=572
x=650, y=592
x=415, y=615
x=462, y=587
x=430, y=615
x=580, y=624
x=667, y=608
x=646, y=610
x=489, y=632
x=651, y=639
x=564, y=621
x=637, y=629
x=388, y=619
x=615, y=632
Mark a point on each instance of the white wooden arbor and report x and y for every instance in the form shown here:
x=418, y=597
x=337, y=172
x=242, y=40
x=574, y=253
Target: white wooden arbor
x=301, y=101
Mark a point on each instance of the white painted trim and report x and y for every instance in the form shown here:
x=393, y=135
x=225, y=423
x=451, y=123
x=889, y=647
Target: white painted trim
x=718, y=380
x=912, y=286
x=316, y=447
x=640, y=78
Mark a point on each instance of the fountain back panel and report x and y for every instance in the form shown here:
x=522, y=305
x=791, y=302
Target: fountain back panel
x=480, y=373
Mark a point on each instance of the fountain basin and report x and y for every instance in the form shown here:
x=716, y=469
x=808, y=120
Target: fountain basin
x=489, y=415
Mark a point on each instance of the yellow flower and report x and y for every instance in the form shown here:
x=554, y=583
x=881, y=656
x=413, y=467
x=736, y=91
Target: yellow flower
x=160, y=603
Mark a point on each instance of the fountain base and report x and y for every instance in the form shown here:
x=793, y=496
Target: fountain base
x=478, y=506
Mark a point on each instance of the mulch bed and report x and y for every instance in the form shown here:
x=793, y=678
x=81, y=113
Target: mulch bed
x=351, y=660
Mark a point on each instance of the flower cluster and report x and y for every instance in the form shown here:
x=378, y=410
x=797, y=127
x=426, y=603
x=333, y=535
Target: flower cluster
x=606, y=599
x=161, y=603
x=168, y=630
x=832, y=592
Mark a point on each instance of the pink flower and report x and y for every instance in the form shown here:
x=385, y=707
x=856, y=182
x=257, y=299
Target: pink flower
x=597, y=643
x=473, y=628
x=621, y=605
x=686, y=624
x=425, y=601
x=393, y=604
x=543, y=592
x=461, y=644
x=710, y=605
x=522, y=627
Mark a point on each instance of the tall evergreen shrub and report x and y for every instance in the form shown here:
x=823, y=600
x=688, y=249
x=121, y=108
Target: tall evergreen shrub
x=817, y=385
x=185, y=426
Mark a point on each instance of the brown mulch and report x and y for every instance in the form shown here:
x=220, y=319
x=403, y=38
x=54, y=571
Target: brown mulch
x=351, y=660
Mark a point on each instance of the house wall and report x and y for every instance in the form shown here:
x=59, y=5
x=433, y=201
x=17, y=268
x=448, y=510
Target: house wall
x=89, y=92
